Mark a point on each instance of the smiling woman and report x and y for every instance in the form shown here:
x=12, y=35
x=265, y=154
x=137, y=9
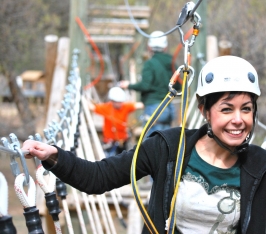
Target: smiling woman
x=223, y=179
x=227, y=92
x=230, y=120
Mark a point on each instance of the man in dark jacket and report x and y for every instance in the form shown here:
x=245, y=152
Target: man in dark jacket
x=156, y=75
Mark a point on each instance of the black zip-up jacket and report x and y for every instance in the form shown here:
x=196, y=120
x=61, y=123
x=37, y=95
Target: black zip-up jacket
x=157, y=157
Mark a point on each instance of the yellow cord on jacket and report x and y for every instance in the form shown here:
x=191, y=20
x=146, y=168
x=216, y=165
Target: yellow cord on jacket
x=181, y=149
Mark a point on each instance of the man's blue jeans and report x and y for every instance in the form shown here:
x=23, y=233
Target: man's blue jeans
x=164, y=121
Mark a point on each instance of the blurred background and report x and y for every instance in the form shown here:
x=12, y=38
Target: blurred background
x=27, y=26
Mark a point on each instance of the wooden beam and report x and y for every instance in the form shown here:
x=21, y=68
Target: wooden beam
x=115, y=22
x=134, y=219
x=58, y=85
x=79, y=8
x=32, y=75
x=119, y=11
x=225, y=48
x=59, y=79
x=212, y=47
x=51, y=42
x=93, y=30
x=112, y=39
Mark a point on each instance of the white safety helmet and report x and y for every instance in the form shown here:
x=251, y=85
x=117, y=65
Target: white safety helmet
x=228, y=73
x=117, y=94
x=157, y=43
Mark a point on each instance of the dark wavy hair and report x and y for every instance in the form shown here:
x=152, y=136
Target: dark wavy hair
x=210, y=99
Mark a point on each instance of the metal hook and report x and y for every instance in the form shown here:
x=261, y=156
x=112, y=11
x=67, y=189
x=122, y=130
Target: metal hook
x=24, y=166
x=173, y=80
x=188, y=12
x=50, y=137
x=13, y=163
x=16, y=146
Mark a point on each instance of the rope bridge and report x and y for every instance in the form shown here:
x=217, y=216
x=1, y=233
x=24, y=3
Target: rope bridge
x=74, y=131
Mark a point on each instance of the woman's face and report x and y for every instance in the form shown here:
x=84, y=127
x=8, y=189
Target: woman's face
x=232, y=119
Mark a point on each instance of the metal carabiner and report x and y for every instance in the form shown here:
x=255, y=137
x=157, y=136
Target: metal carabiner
x=16, y=146
x=195, y=7
x=7, y=148
x=24, y=166
x=188, y=12
x=195, y=32
x=50, y=137
x=175, y=77
x=13, y=163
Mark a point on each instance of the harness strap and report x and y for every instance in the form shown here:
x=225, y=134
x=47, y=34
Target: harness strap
x=148, y=125
x=180, y=154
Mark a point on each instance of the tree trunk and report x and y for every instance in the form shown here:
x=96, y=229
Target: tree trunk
x=22, y=104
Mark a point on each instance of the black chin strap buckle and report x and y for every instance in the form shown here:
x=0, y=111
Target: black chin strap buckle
x=242, y=148
x=210, y=132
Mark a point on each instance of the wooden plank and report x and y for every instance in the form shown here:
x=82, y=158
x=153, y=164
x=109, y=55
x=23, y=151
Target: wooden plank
x=56, y=96
x=134, y=219
x=59, y=79
x=225, y=47
x=51, y=42
x=32, y=75
x=115, y=22
x=119, y=11
x=212, y=47
x=93, y=30
x=112, y=39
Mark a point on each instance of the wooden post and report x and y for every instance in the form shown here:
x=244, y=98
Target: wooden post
x=212, y=47
x=78, y=8
x=50, y=58
x=225, y=47
x=199, y=47
x=59, y=80
x=134, y=219
x=58, y=84
x=132, y=77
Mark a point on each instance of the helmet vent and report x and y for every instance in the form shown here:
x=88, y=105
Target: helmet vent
x=251, y=77
x=209, y=78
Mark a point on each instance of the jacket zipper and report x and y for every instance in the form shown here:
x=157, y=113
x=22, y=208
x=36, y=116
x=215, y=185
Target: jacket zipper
x=247, y=216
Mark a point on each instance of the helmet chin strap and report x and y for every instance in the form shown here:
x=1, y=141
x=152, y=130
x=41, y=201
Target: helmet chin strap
x=239, y=149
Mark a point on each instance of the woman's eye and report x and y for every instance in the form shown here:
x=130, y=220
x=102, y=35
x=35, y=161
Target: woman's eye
x=226, y=109
x=247, y=108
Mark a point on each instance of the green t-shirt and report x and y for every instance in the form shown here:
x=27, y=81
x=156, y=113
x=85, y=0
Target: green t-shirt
x=211, y=177
x=208, y=199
